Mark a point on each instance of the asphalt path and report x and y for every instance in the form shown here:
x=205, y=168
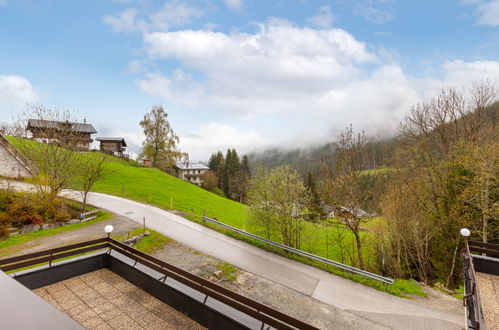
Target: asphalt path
x=378, y=307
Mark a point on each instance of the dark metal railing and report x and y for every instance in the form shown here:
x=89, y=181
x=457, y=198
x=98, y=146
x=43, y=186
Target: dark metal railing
x=386, y=280
x=488, y=249
x=471, y=299
x=50, y=255
x=267, y=315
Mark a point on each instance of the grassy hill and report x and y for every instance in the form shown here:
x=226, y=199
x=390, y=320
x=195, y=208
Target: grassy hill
x=127, y=179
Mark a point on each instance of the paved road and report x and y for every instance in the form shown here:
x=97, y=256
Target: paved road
x=378, y=307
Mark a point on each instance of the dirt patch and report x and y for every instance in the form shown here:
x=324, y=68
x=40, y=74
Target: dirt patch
x=439, y=300
x=262, y=290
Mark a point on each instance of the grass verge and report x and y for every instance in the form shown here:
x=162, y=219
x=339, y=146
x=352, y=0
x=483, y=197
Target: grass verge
x=148, y=244
x=229, y=272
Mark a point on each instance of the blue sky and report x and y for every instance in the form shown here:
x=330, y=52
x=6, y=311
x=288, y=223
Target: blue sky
x=241, y=73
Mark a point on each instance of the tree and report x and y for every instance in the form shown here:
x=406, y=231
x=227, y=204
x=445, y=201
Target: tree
x=90, y=170
x=343, y=187
x=216, y=163
x=231, y=166
x=161, y=142
x=57, y=159
x=277, y=200
x=314, y=202
x=446, y=178
x=240, y=181
x=210, y=181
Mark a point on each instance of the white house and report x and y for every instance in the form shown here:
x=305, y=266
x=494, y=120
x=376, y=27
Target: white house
x=192, y=172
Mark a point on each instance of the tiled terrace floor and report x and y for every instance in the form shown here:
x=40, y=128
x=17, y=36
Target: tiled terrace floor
x=104, y=300
x=488, y=287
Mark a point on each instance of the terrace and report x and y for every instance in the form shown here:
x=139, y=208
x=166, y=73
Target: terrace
x=105, y=284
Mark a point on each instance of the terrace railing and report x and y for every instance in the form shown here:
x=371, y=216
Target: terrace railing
x=386, y=280
x=268, y=316
x=471, y=300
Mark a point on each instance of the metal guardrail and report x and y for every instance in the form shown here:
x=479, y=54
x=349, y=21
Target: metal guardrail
x=386, y=280
x=265, y=314
x=471, y=300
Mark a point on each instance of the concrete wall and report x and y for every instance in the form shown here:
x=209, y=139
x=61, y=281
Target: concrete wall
x=10, y=166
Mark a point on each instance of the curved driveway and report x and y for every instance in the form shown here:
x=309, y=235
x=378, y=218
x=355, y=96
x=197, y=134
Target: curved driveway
x=376, y=306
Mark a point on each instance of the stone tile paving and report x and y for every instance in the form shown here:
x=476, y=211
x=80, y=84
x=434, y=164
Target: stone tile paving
x=488, y=287
x=103, y=300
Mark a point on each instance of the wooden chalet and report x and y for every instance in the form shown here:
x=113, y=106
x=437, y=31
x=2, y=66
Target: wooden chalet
x=112, y=145
x=50, y=131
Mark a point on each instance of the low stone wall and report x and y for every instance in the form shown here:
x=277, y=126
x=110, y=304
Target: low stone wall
x=10, y=165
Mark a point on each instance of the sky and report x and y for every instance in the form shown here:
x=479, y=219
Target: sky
x=244, y=74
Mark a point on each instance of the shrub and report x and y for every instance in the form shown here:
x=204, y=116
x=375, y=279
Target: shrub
x=5, y=223
x=6, y=198
x=21, y=211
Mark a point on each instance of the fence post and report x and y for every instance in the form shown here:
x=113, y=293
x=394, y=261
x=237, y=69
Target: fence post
x=144, y=225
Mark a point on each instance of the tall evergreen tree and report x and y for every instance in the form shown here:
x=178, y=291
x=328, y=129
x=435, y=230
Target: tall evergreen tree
x=314, y=202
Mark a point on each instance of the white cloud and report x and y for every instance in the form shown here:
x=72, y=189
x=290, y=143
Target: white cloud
x=235, y=5
x=324, y=18
x=217, y=136
x=488, y=13
x=16, y=91
x=300, y=79
x=372, y=11
x=3, y=3
x=255, y=73
x=459, y=73
x=176, y=13
x=173, y=13
x=126, y=21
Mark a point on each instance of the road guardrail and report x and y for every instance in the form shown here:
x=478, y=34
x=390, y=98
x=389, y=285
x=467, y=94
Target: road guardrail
x=386, y=280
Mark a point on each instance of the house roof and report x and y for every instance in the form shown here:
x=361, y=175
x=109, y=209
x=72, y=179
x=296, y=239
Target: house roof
x=61, y=125
x=357, y=212
x=191, y=166
x=112, y=139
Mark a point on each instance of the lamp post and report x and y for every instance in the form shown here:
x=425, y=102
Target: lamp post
x=108, y=229
x=465, y=232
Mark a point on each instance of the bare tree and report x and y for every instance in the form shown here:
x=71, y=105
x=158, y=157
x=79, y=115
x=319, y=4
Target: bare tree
x=91, y=169
x=55, y=150
x=342, y=186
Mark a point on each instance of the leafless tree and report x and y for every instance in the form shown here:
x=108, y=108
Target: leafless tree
x=55, y=154
x=342, y=186
x=91, y=169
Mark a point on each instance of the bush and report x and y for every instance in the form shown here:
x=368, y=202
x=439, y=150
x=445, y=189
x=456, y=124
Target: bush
x=6, y=198
x=22, y=212
x=5, y=223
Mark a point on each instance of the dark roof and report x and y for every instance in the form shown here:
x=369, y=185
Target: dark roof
x=112, y=139
x=61, y=125
x=192, y=166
